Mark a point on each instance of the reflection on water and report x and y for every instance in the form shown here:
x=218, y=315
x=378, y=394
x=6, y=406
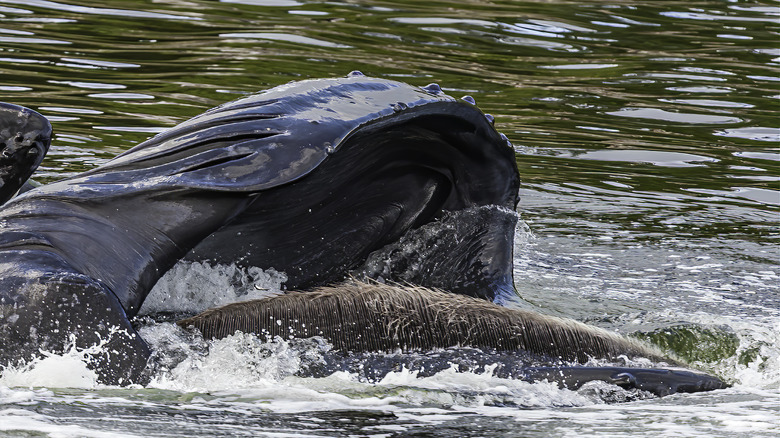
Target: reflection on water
x=647, y=136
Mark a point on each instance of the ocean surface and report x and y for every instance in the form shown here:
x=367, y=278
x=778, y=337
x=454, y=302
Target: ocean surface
x=647, y=134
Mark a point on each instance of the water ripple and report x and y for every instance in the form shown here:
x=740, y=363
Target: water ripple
x=659, y=114
x=285, y=37
x=752, y=133
x=98, y=11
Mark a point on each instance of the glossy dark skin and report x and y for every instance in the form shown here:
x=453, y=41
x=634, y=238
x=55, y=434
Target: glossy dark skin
x=318, y=179
x=660, y=382
x=443, y=156
x=25, y=136
x=243, y=166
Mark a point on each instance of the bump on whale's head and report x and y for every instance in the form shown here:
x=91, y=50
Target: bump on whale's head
x=25, y=137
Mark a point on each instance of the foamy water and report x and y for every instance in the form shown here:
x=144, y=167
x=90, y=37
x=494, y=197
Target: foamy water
x=197, y=286
x=260, y=380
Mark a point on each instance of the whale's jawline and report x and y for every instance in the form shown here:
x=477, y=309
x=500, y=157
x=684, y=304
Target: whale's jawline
x=364, y=318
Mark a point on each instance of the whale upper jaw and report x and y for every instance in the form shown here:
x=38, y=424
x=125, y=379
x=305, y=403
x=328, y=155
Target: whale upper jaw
x=390, y=158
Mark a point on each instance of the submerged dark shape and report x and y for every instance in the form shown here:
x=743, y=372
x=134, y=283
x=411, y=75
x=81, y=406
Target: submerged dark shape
x=308, y=178
x=660, y=382
x=25, y=136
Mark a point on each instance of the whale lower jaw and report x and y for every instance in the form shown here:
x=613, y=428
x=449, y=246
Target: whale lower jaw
x=360, y=317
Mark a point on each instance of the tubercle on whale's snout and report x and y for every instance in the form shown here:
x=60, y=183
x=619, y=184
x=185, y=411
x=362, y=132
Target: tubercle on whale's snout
x=434, y=89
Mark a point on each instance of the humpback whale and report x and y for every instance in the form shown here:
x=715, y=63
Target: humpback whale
x=324, y=180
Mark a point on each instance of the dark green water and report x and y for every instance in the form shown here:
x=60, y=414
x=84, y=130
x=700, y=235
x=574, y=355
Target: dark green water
x=648, y=139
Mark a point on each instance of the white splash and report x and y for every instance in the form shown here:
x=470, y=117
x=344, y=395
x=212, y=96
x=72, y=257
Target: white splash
x=756, y=363
x=192, y=287
x=237, y=361
x=66, y=370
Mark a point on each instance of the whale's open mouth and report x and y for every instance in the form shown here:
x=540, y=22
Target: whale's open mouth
x=386, y=178
x=319, y=179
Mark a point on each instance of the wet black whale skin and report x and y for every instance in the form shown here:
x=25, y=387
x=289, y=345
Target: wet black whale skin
x=25, y=137
x=308, y=178
x=316, y=178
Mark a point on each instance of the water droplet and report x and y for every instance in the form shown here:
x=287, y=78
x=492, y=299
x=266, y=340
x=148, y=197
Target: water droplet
x=355, y=73
x=490, y=118
x=469, y=99
x=329, y=148
x=433, y=88
x=399, y=106
x=506, y=139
